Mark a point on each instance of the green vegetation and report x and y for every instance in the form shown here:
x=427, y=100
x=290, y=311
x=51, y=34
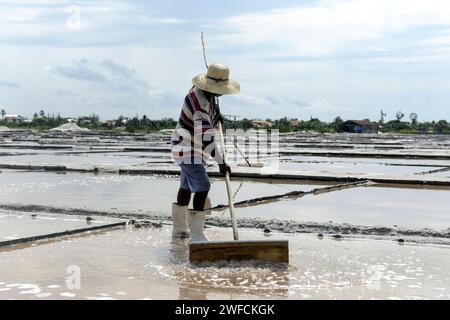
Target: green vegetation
x=337, y=125
x=439, y=127
x=144, y=124
x=286, y=125
x=42, y=121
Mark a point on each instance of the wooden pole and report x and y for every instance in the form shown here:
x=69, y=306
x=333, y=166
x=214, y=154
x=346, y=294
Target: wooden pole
x=229, y=191
x=204, y=50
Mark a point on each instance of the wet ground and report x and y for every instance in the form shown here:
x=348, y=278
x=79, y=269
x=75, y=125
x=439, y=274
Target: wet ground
x=365, y=206
x=153, y=194
x=146, y=264
x=374, y=205
x=154, y=149
x=385, y=166
x=22, y=225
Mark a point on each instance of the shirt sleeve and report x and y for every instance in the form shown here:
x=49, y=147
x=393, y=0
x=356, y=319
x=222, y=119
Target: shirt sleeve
x=204, y=132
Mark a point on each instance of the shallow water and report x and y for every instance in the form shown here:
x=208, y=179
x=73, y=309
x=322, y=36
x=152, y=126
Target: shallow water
x=63, y=158
x=367, y=206
x=445, y=174
x=354, y=168
x=146, y=264
x=360, y=165
x=85, y=156
x=22, y=225
x=122, y=192
x=411, y=208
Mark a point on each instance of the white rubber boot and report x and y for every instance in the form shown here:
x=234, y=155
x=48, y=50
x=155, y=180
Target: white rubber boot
x=197, y=225
x=208, y=206
x=179, y=217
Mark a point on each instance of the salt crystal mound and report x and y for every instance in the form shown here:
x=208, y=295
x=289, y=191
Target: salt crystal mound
x=69, y=127
x=3, y=128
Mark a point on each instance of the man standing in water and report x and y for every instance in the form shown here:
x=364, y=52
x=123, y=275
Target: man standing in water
x=193, y=143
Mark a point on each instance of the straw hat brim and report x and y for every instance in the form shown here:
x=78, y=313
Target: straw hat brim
x=221, y=87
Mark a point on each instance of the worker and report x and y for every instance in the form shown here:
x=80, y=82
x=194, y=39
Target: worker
x=192, y=145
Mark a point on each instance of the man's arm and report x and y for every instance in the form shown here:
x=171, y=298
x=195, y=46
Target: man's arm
x=204, y=132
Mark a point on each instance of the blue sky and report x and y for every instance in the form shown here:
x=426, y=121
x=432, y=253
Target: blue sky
x=292, y=58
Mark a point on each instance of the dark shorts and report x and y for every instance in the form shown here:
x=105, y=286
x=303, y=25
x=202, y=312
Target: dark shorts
x=194, y=178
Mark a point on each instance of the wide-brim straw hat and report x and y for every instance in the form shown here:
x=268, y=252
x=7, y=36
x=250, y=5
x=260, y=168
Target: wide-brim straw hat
x=217, y=80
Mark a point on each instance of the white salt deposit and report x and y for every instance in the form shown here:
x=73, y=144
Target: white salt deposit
x=43, y=295
x=67, y=294
x=69, y=127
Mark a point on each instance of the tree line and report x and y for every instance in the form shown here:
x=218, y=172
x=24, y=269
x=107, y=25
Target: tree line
x=338, y=126
x=45, y=121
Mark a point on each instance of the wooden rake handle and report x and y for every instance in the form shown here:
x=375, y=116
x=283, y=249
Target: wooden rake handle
x=229, y=191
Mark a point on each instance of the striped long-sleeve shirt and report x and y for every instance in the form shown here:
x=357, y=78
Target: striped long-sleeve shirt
x=193, y=138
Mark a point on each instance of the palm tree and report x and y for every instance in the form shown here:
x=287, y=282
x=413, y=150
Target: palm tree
x=3, y=112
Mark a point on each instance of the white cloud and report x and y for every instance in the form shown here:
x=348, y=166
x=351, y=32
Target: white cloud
x=55, y=22
x=264, y=106
x=312, y=59
x=80, y=70
x=81, y=23
x=107, y=87
x=333, y=26
x=170, y=20
x=246, y=99
x=9, y=84
x=65, y=93
x=441, y=40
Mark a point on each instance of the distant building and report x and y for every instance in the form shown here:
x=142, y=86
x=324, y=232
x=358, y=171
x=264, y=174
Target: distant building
x=257, y=123
x=84, y=120
x=294, y=122
x=359, y=126
x=13, y=118
x=109, y=123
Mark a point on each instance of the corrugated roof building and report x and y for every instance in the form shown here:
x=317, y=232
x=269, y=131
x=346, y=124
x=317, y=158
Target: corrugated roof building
x=360, y=126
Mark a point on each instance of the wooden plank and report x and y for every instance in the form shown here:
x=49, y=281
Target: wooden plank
x=264, y=250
